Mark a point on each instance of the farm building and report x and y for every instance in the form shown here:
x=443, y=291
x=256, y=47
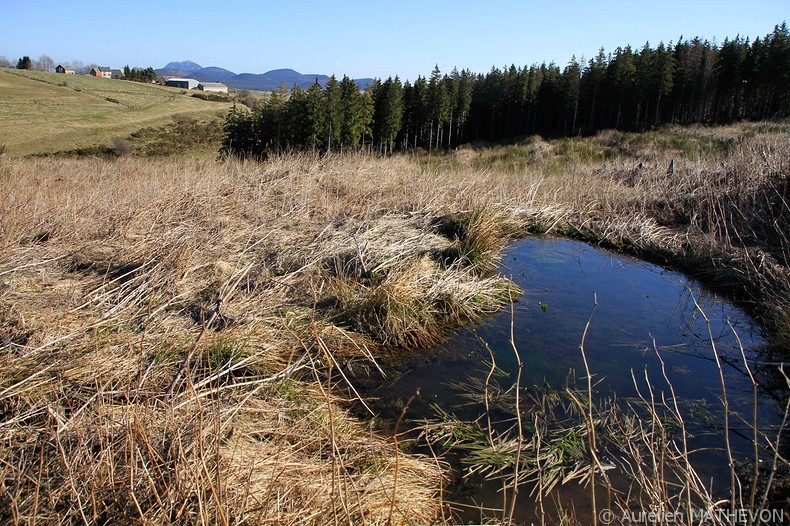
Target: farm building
x=182, y=83
x=117, y=74
x=65, y=70
x=100, y=71
x=214, y=87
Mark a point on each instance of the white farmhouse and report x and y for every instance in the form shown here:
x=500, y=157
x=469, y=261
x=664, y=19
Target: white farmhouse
x=214, y=87
x=182, y=83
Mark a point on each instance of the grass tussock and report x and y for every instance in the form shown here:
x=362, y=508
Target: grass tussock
x=172, y=331
x=478, y=237
x=418, y=303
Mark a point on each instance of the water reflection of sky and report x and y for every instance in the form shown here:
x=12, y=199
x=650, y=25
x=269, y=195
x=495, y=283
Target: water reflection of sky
x=638, y=304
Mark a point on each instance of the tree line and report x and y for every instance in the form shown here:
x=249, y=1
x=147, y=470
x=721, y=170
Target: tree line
x=693, y=81
x=139, y=74
x=46, y=63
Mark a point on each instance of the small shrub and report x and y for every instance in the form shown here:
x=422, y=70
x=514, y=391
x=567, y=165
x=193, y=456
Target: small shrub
x=211, y=97
x=121, y=147
x=247, y=98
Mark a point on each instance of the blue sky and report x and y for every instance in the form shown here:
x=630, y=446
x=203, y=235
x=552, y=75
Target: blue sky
x=362, y=38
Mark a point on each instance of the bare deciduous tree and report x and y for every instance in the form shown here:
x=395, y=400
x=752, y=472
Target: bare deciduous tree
x=79, y=67
x=45, y=63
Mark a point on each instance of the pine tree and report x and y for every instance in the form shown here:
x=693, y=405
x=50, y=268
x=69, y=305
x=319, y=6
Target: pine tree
x=622, y=72
x=532, y=79
x=778, y=62
x=366, y=118
x=296, y=121
x=355, y=114
x=595, y=77
x=334, y=116
x=664, y=67
x=416, y=107
x=551, y=101
x=438, y=104
x=513, y=103
x=388, y=112
x=463, y=103
x=239, y=134
x=571, y=81
x=315, y=116
x=271, y=123
x=729, y=79
x=453, y=83
x=645, y=83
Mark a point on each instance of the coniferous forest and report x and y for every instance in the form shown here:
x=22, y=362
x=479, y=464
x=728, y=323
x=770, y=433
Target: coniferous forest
x=693, y=81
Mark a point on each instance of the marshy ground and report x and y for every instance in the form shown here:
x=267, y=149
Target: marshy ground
x=180, y=338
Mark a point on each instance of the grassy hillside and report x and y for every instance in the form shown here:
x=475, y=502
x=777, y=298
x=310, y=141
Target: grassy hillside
x=46, y=112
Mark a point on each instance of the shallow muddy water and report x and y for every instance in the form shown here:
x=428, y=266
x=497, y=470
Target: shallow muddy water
x=641, y=308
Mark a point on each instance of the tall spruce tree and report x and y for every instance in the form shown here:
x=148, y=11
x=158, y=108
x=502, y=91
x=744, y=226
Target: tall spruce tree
x=388, y=113
x=571, y=81
x=438, y=106
x=355, y=114
x=622, y=72
x=334, y=117
x=315, y=107
x=417, y=117
x=466, y=83
x=595, y=77
x=664, y=67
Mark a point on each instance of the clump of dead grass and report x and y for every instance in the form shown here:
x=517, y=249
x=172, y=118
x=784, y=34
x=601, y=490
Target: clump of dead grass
x=417, y=303
x=478, y=237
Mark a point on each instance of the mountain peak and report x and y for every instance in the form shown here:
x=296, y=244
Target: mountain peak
x=269, y=81
x=186, y=65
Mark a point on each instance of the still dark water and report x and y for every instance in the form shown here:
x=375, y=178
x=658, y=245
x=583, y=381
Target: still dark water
x=638, y=304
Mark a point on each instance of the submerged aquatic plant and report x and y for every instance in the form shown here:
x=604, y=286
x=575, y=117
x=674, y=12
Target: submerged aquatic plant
x=539, y=439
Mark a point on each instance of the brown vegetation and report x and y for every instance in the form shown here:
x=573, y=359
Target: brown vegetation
x=174, y=333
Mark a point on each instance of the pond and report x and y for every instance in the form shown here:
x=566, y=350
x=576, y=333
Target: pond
x=642, y=311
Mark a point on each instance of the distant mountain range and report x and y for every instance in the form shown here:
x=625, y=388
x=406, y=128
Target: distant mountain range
x=268, y=81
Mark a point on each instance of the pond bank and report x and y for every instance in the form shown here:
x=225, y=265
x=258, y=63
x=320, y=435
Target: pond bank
x=648, y=334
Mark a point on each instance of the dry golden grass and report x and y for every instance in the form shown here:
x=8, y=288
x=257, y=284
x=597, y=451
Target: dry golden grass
x=172, y=332
x=160, y=341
